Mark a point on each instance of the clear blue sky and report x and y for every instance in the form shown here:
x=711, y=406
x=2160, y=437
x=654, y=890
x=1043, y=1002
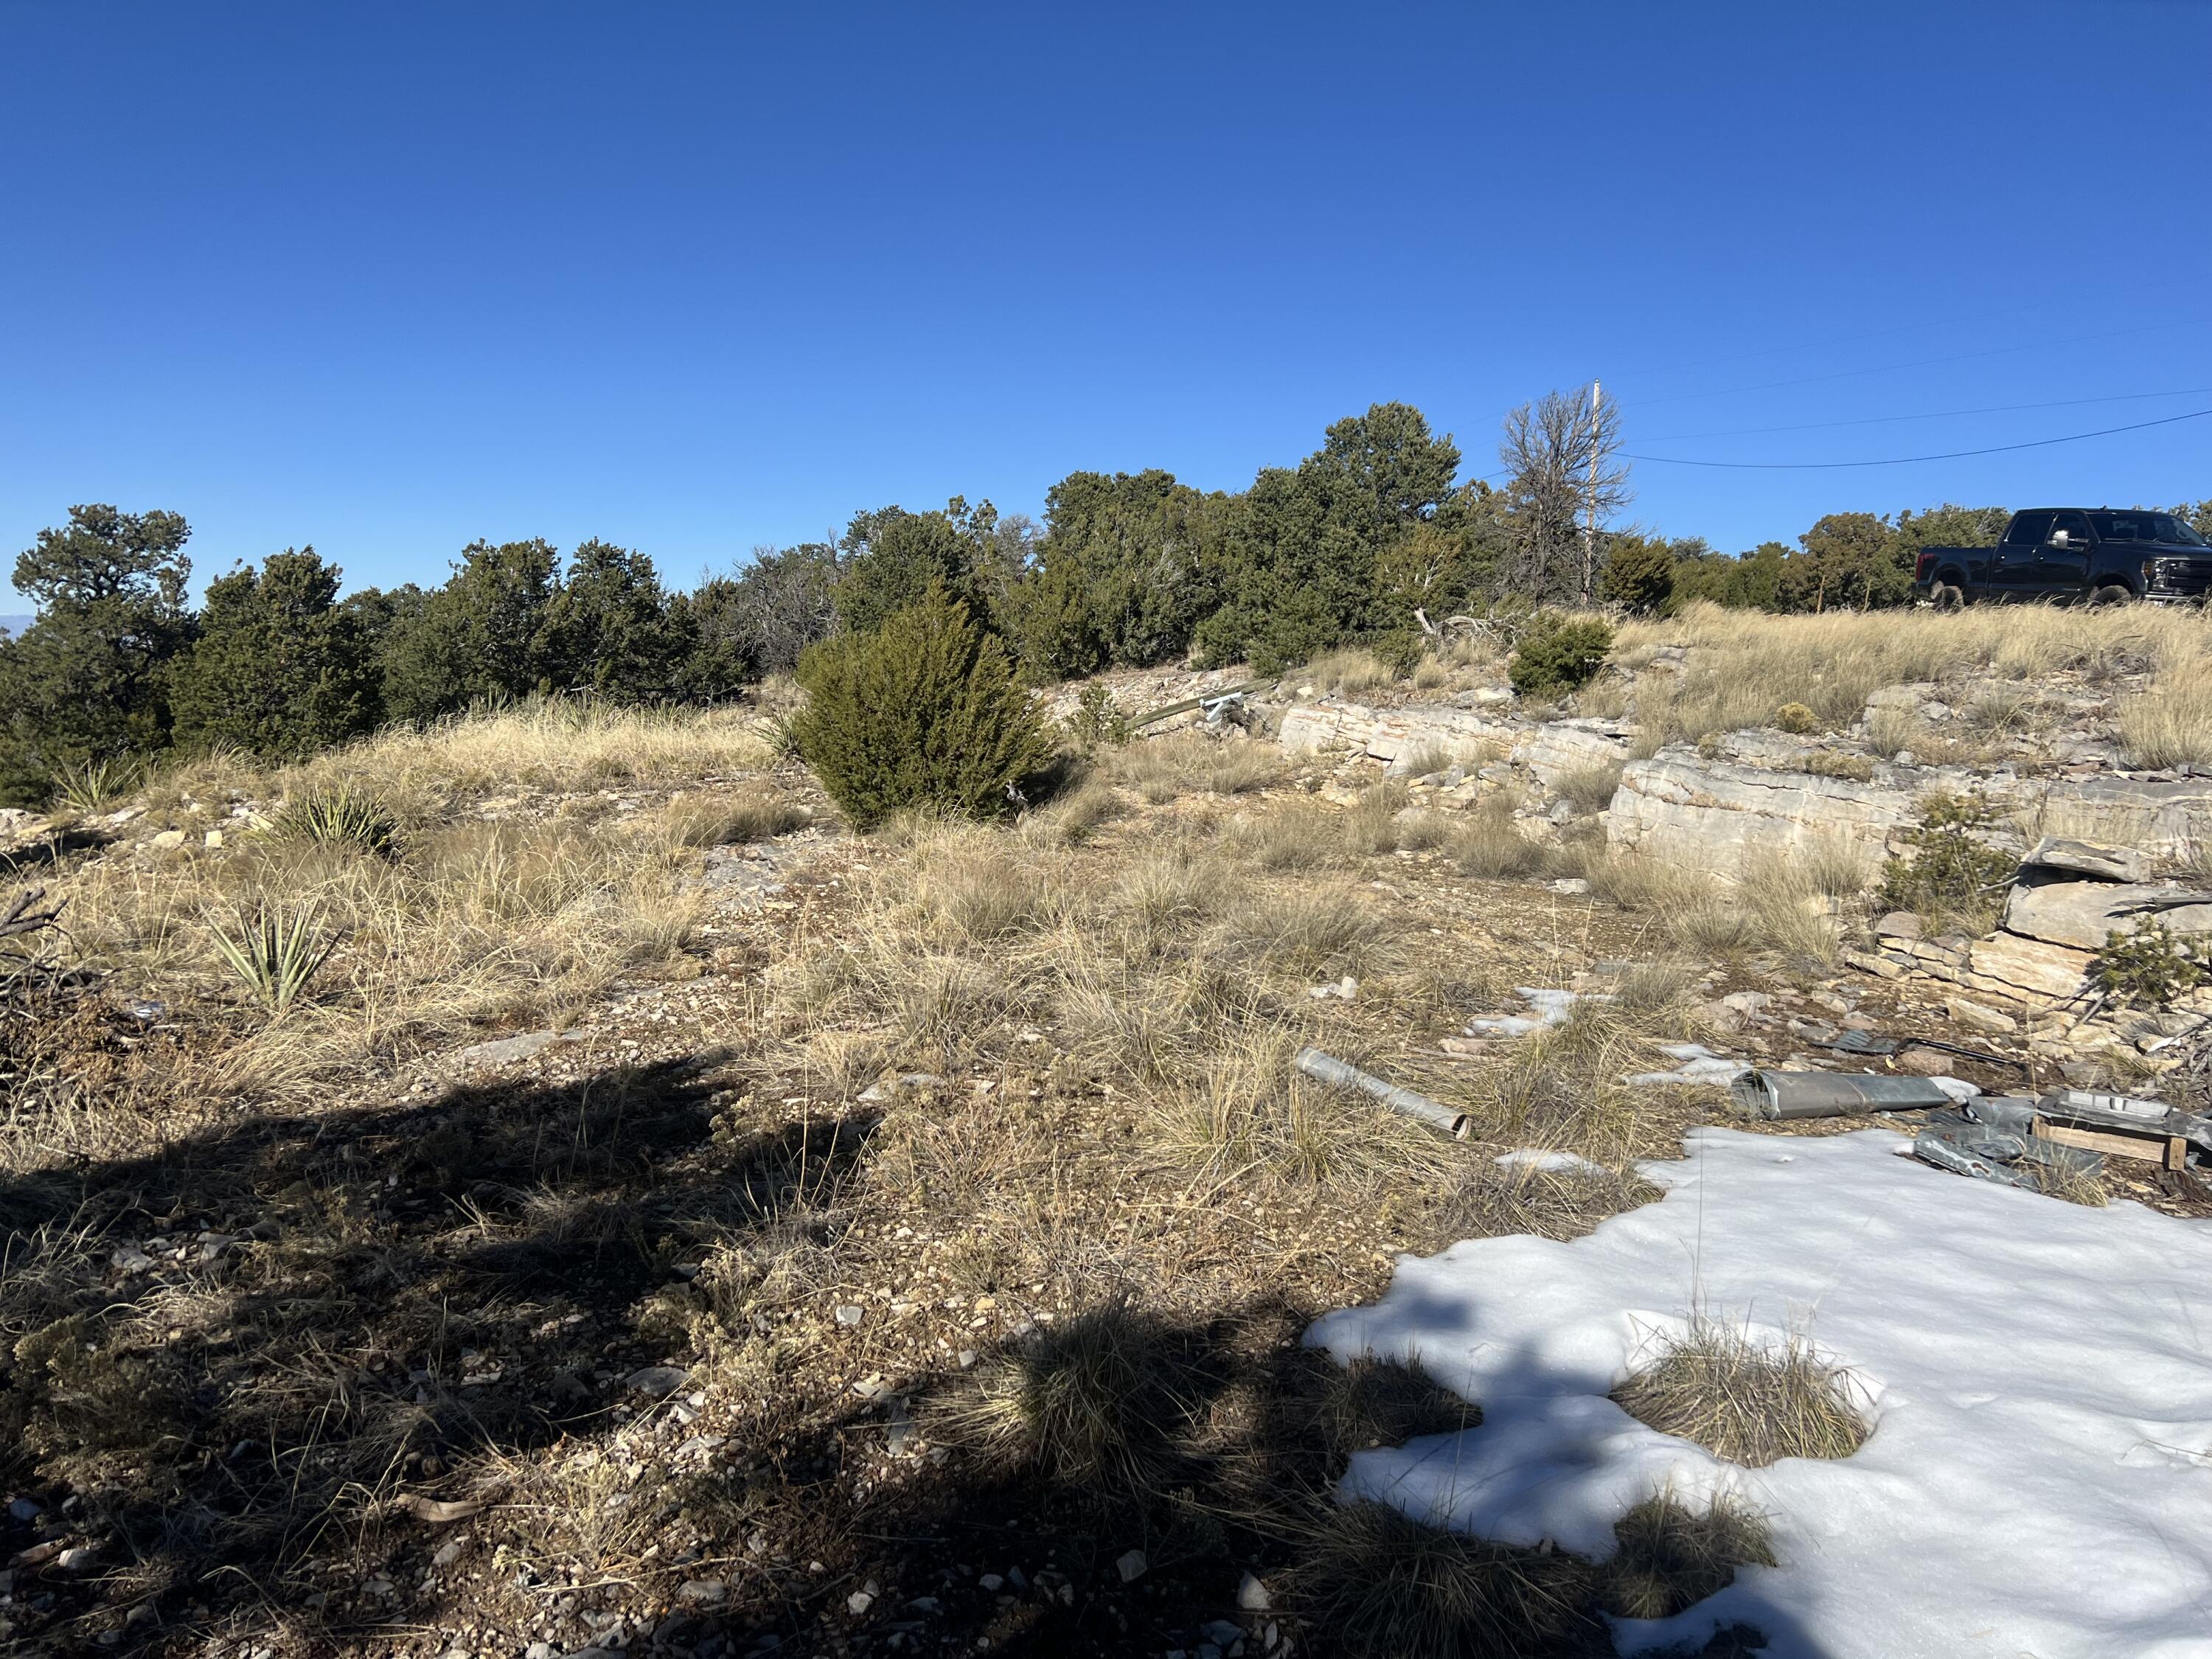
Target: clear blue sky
x=694, y=278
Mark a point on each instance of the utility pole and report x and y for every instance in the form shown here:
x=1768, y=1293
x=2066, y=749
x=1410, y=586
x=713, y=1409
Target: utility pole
x=1590, y=530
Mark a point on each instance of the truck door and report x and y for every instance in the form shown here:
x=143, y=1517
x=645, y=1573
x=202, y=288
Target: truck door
x=2064, y=570
x=2016, y=563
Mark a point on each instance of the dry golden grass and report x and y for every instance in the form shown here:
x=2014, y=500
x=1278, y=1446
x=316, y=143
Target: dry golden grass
x=474, y=923
x=1295, y=836
x=1371, y=827
x=1373, y=1583
x=1893, y=732
x=1347, y=672
x=1377, y=1585
x=691, y=822
x=1671, y=1557
x=1098, y=1404
x=1488, y=845
x=1182, y=977
x=1519, y=1198
x=1796, y=903
x=2170, y=725
x=441, y=923
x=1251, y=1111
x=1564, y=1086
x=1190, y=762
x=1591, y=787
x=1743, y=1400
x=555, y=744
x=1745, y=665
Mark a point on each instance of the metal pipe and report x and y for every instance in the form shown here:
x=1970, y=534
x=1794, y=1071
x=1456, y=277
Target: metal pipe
x=1776, y=1095
x=1326, y=1068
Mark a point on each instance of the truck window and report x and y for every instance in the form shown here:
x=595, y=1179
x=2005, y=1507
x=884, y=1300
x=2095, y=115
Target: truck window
x=2029, y=529
x=2075, y=524
x=2143, y=527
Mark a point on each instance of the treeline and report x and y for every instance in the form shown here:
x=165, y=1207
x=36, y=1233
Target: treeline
x=1366, y=539
x=1127, y=569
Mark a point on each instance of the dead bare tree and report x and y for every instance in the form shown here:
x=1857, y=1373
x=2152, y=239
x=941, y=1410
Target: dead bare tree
x=1565, y=483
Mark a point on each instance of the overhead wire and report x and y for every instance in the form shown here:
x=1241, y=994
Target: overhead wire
x=1908, y=460
x=1933, y=415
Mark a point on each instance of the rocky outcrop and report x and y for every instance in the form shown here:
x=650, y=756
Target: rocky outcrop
x=1388, y=734
x=2084, y=913
x=1712, y=815
x=1559, y=749
x=2166, y=820
x=1550, y=751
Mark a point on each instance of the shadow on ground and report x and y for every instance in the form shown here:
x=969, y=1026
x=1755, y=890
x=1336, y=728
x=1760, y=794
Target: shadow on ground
x=300, y=1378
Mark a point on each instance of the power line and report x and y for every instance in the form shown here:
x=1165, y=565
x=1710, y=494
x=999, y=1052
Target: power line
x=1907, y=460
x=1934, y=415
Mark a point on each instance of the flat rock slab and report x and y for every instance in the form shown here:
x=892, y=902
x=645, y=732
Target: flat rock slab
x=503, y=1050
x=2087, y=859
x=2083, y=914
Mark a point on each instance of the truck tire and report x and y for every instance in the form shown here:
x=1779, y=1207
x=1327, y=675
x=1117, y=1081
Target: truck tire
x=2112, y=594
x=1947, y=597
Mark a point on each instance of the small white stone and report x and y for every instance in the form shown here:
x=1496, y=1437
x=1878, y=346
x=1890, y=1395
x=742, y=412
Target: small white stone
x=1131, y=1566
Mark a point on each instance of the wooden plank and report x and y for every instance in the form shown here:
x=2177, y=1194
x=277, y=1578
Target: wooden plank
x=2170, y=1151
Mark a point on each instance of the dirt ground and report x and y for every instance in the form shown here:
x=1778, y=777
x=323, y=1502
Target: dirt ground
x=725, y=1314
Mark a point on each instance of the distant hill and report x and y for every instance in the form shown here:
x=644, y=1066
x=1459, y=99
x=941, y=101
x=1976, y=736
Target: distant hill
x=13, y=624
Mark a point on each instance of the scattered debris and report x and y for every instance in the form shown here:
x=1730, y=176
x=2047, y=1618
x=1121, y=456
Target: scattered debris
x=1780, y=1095
x=2123, y=1125
x=1987, y=1140
x=1550, y=1008
x=1326, y=1068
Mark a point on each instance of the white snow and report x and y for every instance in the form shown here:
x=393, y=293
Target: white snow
x=2037, y=1375
x=1548, y=1008
x=1695, y=1064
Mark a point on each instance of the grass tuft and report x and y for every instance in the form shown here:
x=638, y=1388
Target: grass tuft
x=1189, y=763
x=1671, y=1557
x=1376, y=1585
x=2170, y=725
x=1490, y=847
x=1098, y=1403
x=1751, y=1404
x=1590, y=789
x=690, y=821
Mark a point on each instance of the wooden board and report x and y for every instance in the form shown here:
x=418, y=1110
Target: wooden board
x=2170, y=1151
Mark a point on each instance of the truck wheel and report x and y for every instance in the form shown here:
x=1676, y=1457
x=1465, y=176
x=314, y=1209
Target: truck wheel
x=1947, y=597
x=2112, y=594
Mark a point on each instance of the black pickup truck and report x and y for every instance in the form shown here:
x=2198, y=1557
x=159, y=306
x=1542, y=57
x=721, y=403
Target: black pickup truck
x=2104, y=555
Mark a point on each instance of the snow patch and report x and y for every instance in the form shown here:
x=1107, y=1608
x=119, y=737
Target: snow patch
x=2036, y=1375
x=1697, y=1064
x=1548, y=1008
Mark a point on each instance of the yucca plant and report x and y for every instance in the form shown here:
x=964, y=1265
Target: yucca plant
x=91, y=784
x=339, y=816
x=275, y=952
